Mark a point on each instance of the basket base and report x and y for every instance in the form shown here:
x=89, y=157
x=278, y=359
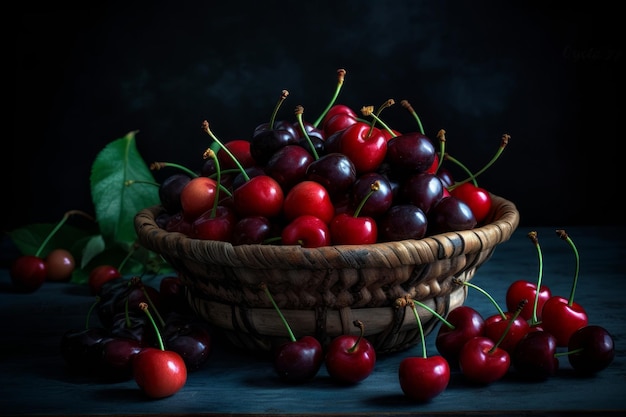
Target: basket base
x=389, y=329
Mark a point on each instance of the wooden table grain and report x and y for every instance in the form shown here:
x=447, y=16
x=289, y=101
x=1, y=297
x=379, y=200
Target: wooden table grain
x=34, y=381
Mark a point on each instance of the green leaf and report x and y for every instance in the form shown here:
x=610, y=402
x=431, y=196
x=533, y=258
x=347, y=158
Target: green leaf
x=27, y=239
x=94, y=246
x=115, y=201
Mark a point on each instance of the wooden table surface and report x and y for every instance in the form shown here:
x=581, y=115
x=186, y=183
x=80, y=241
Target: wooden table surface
x=34, y=381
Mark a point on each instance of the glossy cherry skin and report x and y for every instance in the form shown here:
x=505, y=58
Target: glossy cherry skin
x=170, y=190
x=378, y=202
x=411, y=152
x=159, y=373
x=265, y=143
x=591, y=348
x=335, y=171
x=477, y=198
x=366, y=147
x=298, y=361
x=422, y=379
x=346, y=229
x=240, y=149
x=561, y=319
x=468, y=323
x=525, y=290
x=423, y=190
x=450, y=215
x=288, y=165
x=28, y=273
x=496, y=325
x=307, y=231
x=350, y=359
x=482, y=362
x=100, y=275
x=117, y=355
x=534, y=356
x=198, y=196
x=60, y=265
x=261, y=195
x=402, y=221
x=251, y=230
x=215, y=226
x=338, y=118
x=191, y=339
x=309, y=197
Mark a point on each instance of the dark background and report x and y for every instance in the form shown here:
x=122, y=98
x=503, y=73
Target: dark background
x=550, y=75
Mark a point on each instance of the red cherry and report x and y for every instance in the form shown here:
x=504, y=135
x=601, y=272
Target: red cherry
x=350, y=358
x=159, y=373
x=477, y=198
x=524, y=290
x=198, y=196
x=497, y=324
x=60, y=265
x=101, y=275
x=346, y=229
x=28, y=273
x=365, y=146
x=422, y=379
x=483, y=362
x=240, y=148
x=261, y=195
x=467, y=323
x=309, y=197
x=216, y=225
x=307, y=231
x=561, y=318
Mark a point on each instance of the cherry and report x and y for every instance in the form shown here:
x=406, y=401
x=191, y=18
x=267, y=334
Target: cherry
x=28, y=273
x=482, y=361
x=423, y=190
x=159, y=373
x=338, y=118
x=410, y=152
x=422, y=378
x=295, y=360
x=335, y=171
x=117, y=357
x=465, y=324
x=288, y=166
x=563, y=316
x=350, y=358
x=310, y=198
x=239, y=155
x=198, y=196
x=260, y=195
x=215, y=224
x=402, y=221
x=449, y=215
x=170, y=190
x=60, y=265
x=81, y=349
x=364, y=145
x=356, y=228
x=534, y=356
x=307, y=231
x=590, y=349
x=190, y=338
x=478, y=199
x=100, y=275
x=251, y=230
x=371, y=204
x=524, y=290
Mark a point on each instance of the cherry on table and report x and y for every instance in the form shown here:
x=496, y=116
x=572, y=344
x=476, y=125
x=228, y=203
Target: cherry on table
x=590, y=349
x=28, y=273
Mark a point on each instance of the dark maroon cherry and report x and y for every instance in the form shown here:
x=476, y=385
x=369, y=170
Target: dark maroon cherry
x=423, y=190
x=449, y=215
x=402, y=221
x=378, y=202
x=534, y=356
x=335, y=171
x=251, y=230
x=411, y=152
x=288, y=165
x=590, y=349
x=117, y=357
x=169, y=192
x=265, y=142
x=190, y=338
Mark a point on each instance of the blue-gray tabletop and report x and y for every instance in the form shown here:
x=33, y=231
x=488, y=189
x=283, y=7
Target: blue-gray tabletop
x=34, y=380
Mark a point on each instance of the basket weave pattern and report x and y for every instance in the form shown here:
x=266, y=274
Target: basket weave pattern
x=321, y=291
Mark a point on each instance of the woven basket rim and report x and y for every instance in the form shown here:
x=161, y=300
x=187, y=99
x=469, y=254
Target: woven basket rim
x=504, y=219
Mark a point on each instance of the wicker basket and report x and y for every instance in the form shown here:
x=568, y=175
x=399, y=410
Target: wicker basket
x=321, y=291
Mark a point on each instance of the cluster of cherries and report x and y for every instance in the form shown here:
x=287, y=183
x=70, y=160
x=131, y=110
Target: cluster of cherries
x=146, y=334
x=339, y=180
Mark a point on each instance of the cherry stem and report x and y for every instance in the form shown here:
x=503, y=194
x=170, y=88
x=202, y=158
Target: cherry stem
x=472, y=177
x=263, y=286
x=361, y=326
x=128, y=183
x=434, y=313
x=299, y=111
x=144, y=308
x=534, y=238
x=90, y=311
x=156, y=166
x=341, y=75
x=60, y=224
x=369, y=111
x=281, y=99
x=514, y=317
x=459, y=281
x=563, y=235
x=207, y=130
x=375, y=186
x=503, y=142
x=402, y=302
x=209, y=153
x=441, y=135
x=407, y=105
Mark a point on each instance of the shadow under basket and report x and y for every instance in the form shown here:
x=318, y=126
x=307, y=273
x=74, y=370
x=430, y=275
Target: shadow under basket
x=322, y=291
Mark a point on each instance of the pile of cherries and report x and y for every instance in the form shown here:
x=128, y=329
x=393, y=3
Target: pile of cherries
x=340, y=180
x=107, y=350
